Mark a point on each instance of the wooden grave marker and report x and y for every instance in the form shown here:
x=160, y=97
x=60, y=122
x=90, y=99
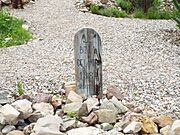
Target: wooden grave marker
x=88, y=63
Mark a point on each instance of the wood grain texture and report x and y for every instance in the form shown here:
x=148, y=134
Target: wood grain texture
x=88, y=62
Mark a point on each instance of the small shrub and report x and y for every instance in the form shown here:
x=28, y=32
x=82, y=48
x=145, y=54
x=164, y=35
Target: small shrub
x=139, y=13
x=177, y=15
x=166, y=14
x=109, y=12
x=11, y=31
x=117, y=13
x=160, y=14
x=153, y=13
x=94, y=9
x=105, y=12
x=156, y=3
x=125, y=4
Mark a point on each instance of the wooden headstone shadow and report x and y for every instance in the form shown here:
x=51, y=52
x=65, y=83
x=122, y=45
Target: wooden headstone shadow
x=88, y=62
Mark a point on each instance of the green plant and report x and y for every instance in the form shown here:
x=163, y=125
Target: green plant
x=94, y=8
x=167, y=14
x=72, y=114
x=11, y=31
x=139, y=13
x=153, y=13
x=149, y=9
x=125, y=5
x=117, y=13
x=156, y=3
x=109, y=12
x=177, y=16
x=105, y=12
x=19, y=88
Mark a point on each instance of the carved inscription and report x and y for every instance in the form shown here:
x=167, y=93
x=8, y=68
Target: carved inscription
x=88, y=62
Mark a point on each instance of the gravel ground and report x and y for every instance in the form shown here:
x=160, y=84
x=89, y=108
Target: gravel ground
x=136, y=56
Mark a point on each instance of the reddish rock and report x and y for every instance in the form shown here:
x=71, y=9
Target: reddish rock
x=163, y=121
x=73, y=97
x=56, y=101
x=114, y=91
x=91, y=103
x=42, y=97
x=91, y=119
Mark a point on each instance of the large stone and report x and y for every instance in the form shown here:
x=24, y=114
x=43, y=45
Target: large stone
x=119, y=126
x=165, y=130
x=108, y=105
x=24, y=107
x=85, y=131
x=163, y=121
x=175, y=129
x=56, y=101
x=131, y=116
x=73, y=97
x=72, y=107
x=7, y=129
x=121, y=108
x=40, y=110
x=42, y=97
x=106, y=126
x=106, y=116
x=48, y=125
x=81, y=124
x=21, y=124
x=4, y=97
x=69, y=86
x=133, y=127
x=69, y=123
x=91, y=103
x=114, y=91
x=114, y=132
x=149, y=113
x=2, y=120
x=29, y=129
x=9, y=113
x=148, y=127
x=90, y=119
x=83, y=111
x=44, y=108
x=15, y=132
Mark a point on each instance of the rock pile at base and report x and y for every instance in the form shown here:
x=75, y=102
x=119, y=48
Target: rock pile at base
x=70, y=114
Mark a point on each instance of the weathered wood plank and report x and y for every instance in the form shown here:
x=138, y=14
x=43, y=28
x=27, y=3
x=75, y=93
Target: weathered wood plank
x=88, y=62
